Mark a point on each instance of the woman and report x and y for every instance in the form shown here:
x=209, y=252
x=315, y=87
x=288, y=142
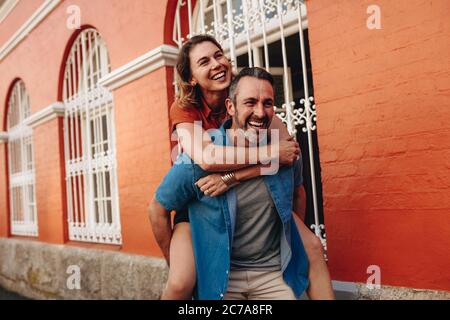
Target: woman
x=204, y=75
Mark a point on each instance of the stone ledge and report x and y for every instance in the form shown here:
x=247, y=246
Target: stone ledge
x=360, y=291
x=39, y=271
x=400, y=293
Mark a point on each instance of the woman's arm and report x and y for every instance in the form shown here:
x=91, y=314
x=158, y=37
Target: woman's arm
x=210, y=157
x=278, y=124
x=215, y=186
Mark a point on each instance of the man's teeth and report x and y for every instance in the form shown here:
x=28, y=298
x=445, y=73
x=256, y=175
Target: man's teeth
x=256, y=124
x=219, y=75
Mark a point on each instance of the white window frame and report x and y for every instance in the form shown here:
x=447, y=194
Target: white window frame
x=92, y=198
x=6, y=8
x=22, y=189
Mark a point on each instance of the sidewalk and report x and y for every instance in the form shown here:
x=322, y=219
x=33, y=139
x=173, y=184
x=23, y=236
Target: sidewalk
x=7, y=295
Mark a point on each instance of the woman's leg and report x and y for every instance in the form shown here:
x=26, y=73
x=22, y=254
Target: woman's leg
x=182, y=275
x=320, y=287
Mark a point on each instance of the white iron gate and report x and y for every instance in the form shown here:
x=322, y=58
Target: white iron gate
x=91, y=180
x=250, y=35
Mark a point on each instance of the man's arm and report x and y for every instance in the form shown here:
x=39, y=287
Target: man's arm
x=161, y=226
x=174, y=193
x=299, y=205
x=226, y=158
x=299, y=199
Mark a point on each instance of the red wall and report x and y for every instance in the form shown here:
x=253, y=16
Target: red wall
x=384, y=138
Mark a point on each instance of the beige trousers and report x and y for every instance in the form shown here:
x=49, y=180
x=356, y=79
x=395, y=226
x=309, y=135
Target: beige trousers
x=258, y=285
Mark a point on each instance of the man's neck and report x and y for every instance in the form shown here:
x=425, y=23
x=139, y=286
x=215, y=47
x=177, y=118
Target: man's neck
x=242, y=142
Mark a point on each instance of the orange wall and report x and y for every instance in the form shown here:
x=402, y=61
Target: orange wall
x=49, y=181
x=143, y=155
x=384, y=137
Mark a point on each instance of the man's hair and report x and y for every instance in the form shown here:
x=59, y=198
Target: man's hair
x=253, y=72
x=188, y=95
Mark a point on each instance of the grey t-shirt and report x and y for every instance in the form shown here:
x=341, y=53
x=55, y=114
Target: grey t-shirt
x=256, y=243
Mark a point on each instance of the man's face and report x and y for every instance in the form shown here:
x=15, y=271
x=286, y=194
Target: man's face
x=253, y=110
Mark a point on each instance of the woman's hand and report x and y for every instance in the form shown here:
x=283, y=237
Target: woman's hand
x=212, y=185
x=289, y=151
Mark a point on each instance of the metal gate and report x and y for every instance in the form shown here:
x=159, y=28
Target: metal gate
x=270, y=34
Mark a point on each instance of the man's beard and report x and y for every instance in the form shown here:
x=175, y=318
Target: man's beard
x=253, y=137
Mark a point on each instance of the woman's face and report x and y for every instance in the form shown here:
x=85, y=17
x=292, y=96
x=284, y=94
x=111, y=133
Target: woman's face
x=210, y=69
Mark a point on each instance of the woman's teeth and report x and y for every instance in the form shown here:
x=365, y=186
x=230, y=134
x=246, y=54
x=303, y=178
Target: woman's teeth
x=219, y=75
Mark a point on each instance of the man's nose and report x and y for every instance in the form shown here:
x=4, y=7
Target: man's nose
x=259, y=110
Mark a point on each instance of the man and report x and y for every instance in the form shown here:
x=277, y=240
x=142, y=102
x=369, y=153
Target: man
x=246, y=243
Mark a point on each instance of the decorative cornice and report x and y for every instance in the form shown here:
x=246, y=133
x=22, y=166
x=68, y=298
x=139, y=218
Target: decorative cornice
x=28, y=26
x=6, y=9
x=51, y=112
x=3, y=137
x=165, y=55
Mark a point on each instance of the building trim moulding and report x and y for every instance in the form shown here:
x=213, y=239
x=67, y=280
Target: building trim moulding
x=51, y=112
x=3, y=137
x=40, y=14
x=164, y=55
x=6, y=9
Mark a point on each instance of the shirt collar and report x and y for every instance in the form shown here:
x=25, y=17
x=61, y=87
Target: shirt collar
x=223, y=129
x=206, y=110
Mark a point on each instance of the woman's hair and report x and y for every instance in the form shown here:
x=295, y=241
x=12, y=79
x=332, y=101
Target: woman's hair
x=189, y=95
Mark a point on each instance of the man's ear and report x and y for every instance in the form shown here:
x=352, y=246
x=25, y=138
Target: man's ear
x=230, y=107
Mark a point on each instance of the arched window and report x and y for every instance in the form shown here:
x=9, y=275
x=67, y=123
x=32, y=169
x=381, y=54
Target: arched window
x=21, y=164
x=89, y=136
x=271, y=34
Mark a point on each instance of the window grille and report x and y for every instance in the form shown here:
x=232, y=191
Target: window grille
x=21, y=164
x=89, y=136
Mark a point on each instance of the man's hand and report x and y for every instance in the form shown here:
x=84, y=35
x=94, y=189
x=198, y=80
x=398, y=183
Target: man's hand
x=212, y=185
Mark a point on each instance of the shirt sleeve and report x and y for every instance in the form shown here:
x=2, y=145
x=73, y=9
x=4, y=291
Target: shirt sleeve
x=179, y=115
x=177, y=188
x=298, y=173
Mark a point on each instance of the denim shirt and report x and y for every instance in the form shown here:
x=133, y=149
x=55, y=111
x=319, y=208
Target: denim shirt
x=212, y=221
